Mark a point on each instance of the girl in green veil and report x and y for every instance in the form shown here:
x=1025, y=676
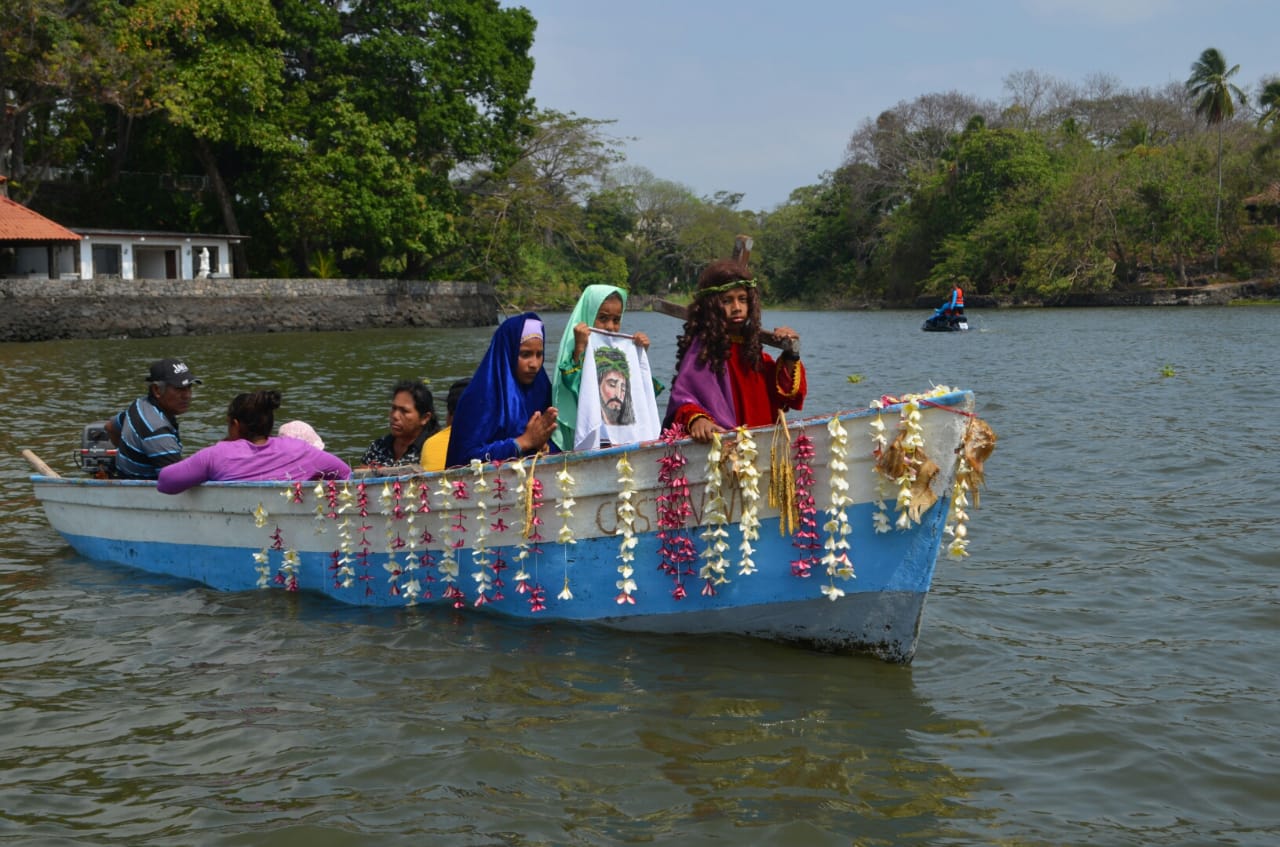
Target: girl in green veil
x=601, y=307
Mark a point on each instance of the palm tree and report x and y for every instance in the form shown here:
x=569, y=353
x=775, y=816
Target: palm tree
x=1215, y=96
x=1269, y=102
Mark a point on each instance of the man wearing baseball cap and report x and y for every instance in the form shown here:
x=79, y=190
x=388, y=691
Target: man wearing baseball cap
x=146, y=434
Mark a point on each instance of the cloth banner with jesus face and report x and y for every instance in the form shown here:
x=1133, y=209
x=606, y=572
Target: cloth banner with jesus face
x=616, y=403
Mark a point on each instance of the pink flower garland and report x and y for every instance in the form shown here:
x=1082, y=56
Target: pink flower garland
x=499, y=562
x=426, y=560
x=457, y=539
x=674, y=510
x=537, y=594
x=362, y=557
x=805, y=538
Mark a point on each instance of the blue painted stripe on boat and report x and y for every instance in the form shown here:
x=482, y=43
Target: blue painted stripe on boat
x=903, y=562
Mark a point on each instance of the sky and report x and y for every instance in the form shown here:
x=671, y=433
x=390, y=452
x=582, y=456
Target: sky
x=762, y=96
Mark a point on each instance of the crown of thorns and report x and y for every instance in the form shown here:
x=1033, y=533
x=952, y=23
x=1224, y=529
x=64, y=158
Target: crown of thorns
x=612, y=359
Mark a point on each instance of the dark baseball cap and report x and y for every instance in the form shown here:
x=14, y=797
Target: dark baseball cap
x=173, y=372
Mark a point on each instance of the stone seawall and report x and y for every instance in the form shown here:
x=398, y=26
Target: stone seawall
x=48, y=309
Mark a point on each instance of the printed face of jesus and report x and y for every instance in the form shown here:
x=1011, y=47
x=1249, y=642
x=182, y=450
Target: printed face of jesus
x=613, y=397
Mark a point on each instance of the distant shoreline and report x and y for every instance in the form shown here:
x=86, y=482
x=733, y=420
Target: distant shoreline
x=1261, y=291
x=52, y=310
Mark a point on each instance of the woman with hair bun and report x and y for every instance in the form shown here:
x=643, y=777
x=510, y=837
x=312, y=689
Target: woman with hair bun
x=250, y=452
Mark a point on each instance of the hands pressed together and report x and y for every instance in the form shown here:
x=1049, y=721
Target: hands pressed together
x=538, y=431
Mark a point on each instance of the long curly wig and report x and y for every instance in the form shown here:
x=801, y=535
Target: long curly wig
x=706, y=320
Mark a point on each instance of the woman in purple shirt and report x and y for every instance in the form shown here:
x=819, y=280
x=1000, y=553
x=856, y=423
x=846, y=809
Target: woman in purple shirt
x=251, y=453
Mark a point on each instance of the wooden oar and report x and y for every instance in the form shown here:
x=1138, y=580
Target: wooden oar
x=38, y=465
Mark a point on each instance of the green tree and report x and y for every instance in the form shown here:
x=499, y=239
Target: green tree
x=1269, y=103
x=1215, y=97
x=659, y=210
x=213, y=69
x=817, y=247
x=432, y=88
x=539, y=199
x=53, y=57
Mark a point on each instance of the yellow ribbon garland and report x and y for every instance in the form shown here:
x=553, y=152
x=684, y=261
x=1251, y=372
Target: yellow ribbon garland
x=782, y=478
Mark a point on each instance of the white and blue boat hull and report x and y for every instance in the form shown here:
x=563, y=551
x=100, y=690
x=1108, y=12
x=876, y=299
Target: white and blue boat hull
x=213, y=533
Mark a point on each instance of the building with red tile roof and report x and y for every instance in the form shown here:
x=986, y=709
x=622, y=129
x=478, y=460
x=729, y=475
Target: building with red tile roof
x=20, y=225
x=31, y=245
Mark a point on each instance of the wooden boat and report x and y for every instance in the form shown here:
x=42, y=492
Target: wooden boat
x=665, y=537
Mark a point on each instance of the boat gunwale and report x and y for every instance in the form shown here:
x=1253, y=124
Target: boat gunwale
x=943, y=402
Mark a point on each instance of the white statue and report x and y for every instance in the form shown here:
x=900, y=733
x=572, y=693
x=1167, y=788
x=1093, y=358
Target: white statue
x=204, y=264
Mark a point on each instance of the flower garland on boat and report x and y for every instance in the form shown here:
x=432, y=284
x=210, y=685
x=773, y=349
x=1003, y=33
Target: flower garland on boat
x=479, y=496
x=675, y=507
x=904, y=460
x=262, y=559
x=360, y=502
x=529, y=547
x=479, y=551
x=392, y=510
x=290, y=563
x=405, y=497
x=748, y=475
x=805, y=537
x=564, y=508
x=453, y=535
x=836, y=558
x=715, y=518
x=626, y=512
x=978, y=443
x=879, y=443
x=427, y=560
x=499, y=563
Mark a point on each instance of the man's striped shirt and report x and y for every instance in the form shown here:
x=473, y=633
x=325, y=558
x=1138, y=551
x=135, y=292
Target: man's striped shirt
x=148, y=440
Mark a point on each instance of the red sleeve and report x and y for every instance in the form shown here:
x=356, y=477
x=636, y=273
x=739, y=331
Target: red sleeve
x=686, y=414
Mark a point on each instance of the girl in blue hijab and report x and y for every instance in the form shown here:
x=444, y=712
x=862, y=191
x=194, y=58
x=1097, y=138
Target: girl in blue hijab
x=506, y=412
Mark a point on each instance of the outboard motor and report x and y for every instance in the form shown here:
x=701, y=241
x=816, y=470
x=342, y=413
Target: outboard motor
x=97, y=455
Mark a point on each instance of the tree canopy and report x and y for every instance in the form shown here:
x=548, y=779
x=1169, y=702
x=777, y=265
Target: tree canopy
x=398, y=139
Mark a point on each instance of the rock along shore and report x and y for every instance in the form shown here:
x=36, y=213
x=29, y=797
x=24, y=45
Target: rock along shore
x=50, y=309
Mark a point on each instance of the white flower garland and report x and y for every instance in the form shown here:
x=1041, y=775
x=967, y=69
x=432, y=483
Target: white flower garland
x=913, y=448
x=912, y=441
x=346, y=573
x=564, y=508
x=715, y=518
x=957, y=515
x=448, y=565
x=290, y=565
x=410, y=585
x=880, y=517
x=479, y=551
x=262, y=564
x=626, y=511
x=389, y=535
x=321, y=519
x=262, y=559
x=744, y=467
x=836, y=558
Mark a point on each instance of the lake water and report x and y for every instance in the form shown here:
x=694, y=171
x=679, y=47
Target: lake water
x=1101, y=670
